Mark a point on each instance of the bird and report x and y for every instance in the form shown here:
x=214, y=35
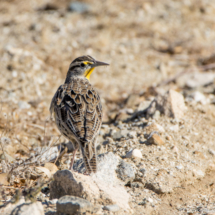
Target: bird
x=77, y=110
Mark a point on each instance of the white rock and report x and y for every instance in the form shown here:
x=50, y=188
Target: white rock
x=23, y=105
x=135, y=153
x=212, y=152
x=113, y=208
x=179, y=167
x=53, y=201
x=198, y=173
x=174, y=128
x=150, y=200
x=199, y=97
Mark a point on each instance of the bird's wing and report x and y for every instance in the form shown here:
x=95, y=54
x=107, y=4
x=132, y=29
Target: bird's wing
x=78, y=109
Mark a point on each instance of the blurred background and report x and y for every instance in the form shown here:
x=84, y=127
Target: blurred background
x=145, y=42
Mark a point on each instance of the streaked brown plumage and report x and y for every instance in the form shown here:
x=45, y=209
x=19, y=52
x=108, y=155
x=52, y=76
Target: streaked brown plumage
x=77, y=109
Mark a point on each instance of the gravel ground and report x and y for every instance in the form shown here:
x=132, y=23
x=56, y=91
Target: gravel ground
x=152, y=47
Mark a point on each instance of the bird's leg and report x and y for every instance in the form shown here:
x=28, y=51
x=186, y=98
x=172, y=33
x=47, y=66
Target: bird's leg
x=72, y=160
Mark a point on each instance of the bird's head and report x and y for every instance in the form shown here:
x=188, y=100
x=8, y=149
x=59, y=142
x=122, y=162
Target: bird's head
x=83, y=66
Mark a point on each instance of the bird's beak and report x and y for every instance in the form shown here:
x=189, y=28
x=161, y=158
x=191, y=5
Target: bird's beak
x=99, y=63
x=92, y=66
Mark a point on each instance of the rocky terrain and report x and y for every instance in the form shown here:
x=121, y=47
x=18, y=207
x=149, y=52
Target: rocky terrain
x=156, y=146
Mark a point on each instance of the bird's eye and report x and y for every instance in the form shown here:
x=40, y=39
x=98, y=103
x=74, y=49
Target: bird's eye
x=82, y=65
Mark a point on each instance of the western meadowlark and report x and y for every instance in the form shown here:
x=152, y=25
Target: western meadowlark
x=77, y=109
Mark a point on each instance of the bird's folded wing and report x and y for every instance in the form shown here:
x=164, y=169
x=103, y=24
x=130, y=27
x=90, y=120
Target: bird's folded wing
x=78, y=108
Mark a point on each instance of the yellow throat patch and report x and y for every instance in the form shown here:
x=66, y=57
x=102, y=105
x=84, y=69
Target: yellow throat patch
x=89, y=71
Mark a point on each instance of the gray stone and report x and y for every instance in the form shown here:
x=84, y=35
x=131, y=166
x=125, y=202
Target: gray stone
x=120, y=134
x=112, y=208
x=126, y=171
x=101, y=185
x=72, y=205
x=143, y=171
x=79, y=7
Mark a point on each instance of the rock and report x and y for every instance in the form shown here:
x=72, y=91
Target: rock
x=79, y=7
x=124, y=114
x=171, y=104
x=8, y=157
x=199, y=79
x=47, y=153
x=23, y=208
x=199, y=98
x=106, y=166
x=4, y=179
x=53, y=201
x=112, y=208
x=117, y=135
x=198, y=173
x=143, y=171
x=23, y=105
x=72, y=205
x=143, y=105
x=153, y=127
x=132, y=134
x=174, y=128
x=101, y=185
x=132, y=100
x=155, y=139
x=212, y=152
x=126, y=171
x=51, y=167
x=156, y=115
x=135, y=153
x=179, y=167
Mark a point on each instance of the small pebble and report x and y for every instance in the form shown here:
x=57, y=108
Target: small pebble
x=136, y=153
x=179, y=167
x=112, y=208
x=212, y=152
x=155, y=139
x=174, y=128
x=79, y=7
